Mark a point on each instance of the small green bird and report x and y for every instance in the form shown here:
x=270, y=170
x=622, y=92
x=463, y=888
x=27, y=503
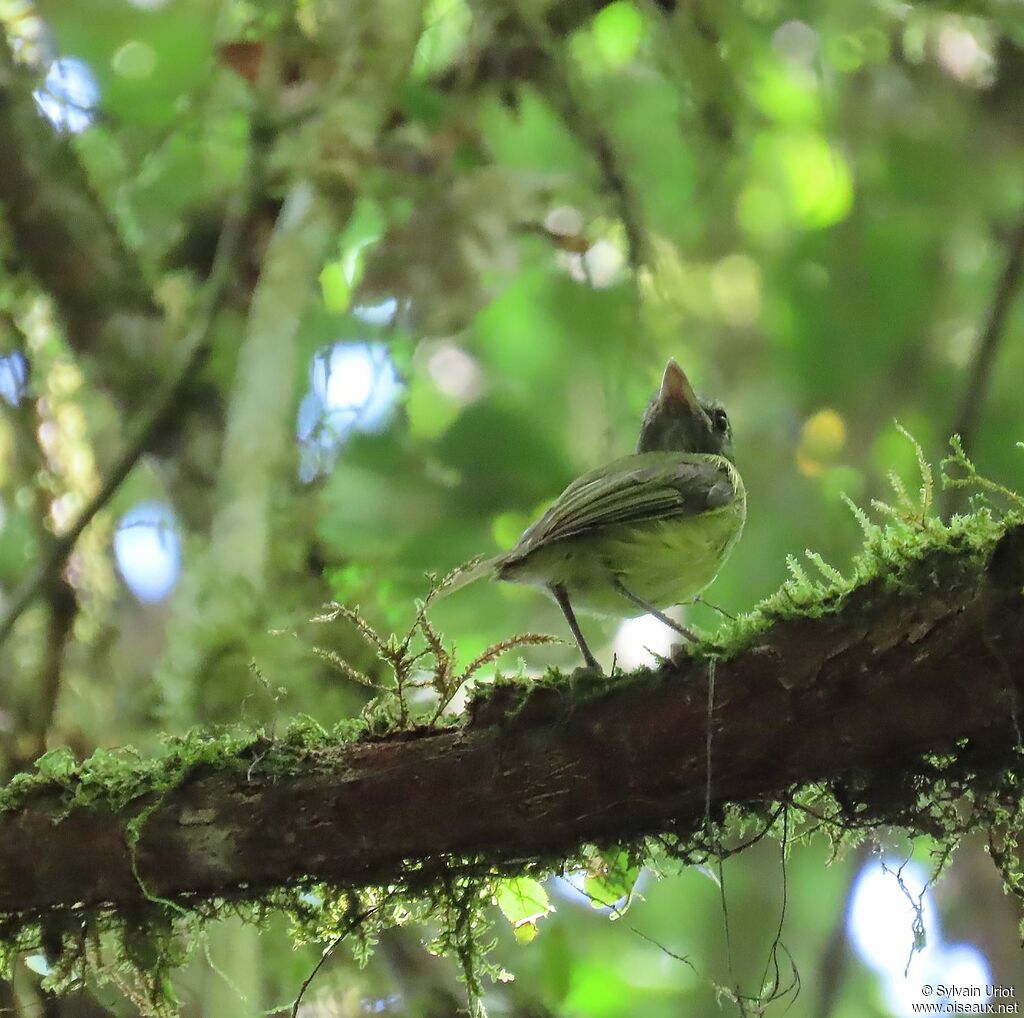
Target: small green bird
x=646, y=531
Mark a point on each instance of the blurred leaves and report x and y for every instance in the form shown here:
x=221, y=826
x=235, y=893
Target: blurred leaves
x=616, y=31
x=144, y=61
x=824, y=197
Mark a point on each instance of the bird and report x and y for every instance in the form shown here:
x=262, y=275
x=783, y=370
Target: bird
x=644, y=532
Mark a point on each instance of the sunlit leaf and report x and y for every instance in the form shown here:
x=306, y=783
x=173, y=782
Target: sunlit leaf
x=447, y=23
x=618, y=30
x=523, y=902
x=57, y=763
x=811, y=176
x=334, y=287
x=610, y=880
x=430, y=411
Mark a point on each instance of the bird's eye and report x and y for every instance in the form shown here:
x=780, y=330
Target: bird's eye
x=721, y=419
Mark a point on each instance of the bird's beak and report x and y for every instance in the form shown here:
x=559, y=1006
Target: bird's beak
x=676, y=386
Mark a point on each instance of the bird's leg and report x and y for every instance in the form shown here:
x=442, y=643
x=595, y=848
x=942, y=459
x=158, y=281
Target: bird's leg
x=651, y=610
x=560, y=594
x=721, y=611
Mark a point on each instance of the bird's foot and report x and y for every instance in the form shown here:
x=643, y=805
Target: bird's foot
x=680, y=651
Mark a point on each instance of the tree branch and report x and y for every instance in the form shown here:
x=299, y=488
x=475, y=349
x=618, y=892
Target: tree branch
x=987, y=348
x=256, y=447
x=512, y=54
x=902, y=669
x=61, y=603
x=64, y=237
x=149, y=421
x=599, y=143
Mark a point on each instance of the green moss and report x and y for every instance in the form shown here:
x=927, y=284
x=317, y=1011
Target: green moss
x=115, y=778
x=908, y=532
x=138, y=947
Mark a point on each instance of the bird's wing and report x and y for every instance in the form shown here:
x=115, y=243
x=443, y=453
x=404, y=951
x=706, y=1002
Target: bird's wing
x=646, y=486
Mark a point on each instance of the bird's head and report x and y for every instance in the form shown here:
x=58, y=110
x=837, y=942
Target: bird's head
x=677, y=421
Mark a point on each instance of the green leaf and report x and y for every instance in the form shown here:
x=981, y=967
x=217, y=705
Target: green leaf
x=787, y=94
x=334, y=286
x=525, y=932
x=618, y=30
x=810, y=177
x=430, y=411
x=523, y=901
x=533, y=138
x=446, y=27
x=134, y=60
x=610, y=879
x=57, y=764
x=845, y=52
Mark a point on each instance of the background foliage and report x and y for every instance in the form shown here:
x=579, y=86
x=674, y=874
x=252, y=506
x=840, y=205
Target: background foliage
x=474, y=234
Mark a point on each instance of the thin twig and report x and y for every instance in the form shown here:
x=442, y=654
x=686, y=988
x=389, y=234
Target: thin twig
x=352, y=923
x=328, y=951
x=598, y=142
x=60, y=596
x=712, y=830
x=987, y=348
x=666, y=951
x=772, y=962
x=63, y=608
x=149, y=422
x=555, y=75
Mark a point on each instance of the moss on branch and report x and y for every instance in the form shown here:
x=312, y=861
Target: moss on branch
x=885, y=697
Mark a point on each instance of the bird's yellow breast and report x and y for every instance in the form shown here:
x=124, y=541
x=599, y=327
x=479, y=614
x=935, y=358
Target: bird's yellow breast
x=663, y=562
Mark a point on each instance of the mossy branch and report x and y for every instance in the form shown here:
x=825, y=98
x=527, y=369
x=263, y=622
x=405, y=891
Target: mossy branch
x=907, y=665
x=884, y=695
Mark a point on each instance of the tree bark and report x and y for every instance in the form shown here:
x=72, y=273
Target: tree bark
x=927, y=664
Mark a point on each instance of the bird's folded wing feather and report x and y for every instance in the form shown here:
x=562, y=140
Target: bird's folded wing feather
x=634, y=490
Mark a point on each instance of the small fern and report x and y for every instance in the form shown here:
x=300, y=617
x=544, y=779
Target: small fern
x=418, y=660
x=970, y=478
x=909, y=528
x=831, y=574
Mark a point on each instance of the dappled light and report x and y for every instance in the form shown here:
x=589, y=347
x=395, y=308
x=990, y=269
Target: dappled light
x=895, y=927
x=353, y=387
x=642, y=641
x=796, y=41
x=511, y=510
x=148, y=551
x=136, y=59
x=13, y=377
x=455, y=373
x=379, y=314
x=599, y=266
x=964, y=51
x=68, y=95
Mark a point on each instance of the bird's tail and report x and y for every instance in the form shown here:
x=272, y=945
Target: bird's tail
x=469, y=572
